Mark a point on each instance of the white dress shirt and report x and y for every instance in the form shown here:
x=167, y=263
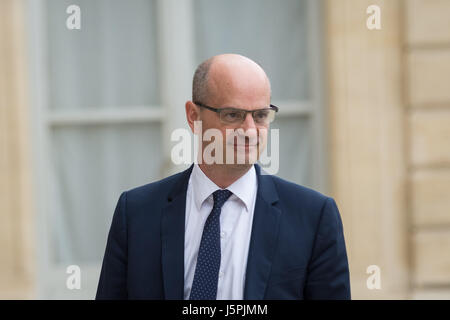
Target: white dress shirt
x=235, y=230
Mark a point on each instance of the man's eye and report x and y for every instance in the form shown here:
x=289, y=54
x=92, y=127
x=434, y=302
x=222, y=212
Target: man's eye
x=232, y=115
x=262, y=115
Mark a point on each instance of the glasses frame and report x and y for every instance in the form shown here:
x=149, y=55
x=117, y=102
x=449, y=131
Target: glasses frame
x=219, y=110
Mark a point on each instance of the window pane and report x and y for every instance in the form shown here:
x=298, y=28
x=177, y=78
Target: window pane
x=110, y=62
x=272, y=33
x=92, y=167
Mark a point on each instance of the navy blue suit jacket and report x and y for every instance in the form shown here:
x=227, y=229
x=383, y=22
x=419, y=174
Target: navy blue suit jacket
x=297, y=248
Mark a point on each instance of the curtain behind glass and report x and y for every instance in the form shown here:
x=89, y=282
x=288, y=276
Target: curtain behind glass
x=110, y=62
x=92, y=167
x=272, y=33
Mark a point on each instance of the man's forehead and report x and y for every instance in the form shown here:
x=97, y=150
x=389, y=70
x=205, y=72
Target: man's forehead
x=231, y=68
x=238, y=79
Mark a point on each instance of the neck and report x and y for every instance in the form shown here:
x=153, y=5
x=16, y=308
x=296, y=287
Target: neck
x=224, y=175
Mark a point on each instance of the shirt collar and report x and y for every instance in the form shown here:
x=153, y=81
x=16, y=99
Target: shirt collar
x=244, y=188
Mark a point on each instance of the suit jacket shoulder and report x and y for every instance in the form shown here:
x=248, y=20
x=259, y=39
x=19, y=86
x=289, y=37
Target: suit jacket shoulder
x=154, y=195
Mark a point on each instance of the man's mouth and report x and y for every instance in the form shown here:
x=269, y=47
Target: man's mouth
x=246, y=144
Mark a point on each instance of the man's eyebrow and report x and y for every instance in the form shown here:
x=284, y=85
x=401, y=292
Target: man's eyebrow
x=231, y=107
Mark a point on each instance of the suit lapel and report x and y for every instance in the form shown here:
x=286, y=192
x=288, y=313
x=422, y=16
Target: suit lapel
x=172, y=238
x=263, y=239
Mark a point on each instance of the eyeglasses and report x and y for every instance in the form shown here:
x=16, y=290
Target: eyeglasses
x=237, y=116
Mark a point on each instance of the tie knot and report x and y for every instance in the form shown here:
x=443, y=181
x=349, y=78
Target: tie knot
x=220, y=196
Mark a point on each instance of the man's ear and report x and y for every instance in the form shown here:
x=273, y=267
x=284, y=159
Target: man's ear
x=192, y=113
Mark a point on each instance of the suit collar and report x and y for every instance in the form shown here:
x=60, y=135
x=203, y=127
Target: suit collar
x=244, y=188
x=264, y=237
x=266, y=187
x=172, y=237
x=262, y=242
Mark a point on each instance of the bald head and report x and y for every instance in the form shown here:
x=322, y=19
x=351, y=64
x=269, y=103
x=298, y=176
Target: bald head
x=225, y=76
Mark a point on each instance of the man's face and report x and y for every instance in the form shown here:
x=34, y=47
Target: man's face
x=247, y=89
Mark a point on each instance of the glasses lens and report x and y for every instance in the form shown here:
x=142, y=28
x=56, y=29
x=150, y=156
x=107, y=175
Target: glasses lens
x=232, y=115
x=265, y=116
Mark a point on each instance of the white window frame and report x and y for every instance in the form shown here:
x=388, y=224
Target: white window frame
x=175, y=36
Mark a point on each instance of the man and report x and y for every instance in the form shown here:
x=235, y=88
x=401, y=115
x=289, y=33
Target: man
x=222, y=229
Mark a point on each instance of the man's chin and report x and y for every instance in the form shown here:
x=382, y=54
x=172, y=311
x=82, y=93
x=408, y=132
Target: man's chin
x=245, y=158
x=241, y=154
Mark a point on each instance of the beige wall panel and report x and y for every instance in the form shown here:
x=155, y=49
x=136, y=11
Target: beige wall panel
x=430, y=138
x=366, y=137
x=429, y=77
x=431, y=294
x=430, y=197
x=428, y=21
x=16, y=236
x=431, y=257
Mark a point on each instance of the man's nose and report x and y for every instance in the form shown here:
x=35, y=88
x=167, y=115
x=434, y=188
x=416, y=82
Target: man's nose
x=248, y=123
